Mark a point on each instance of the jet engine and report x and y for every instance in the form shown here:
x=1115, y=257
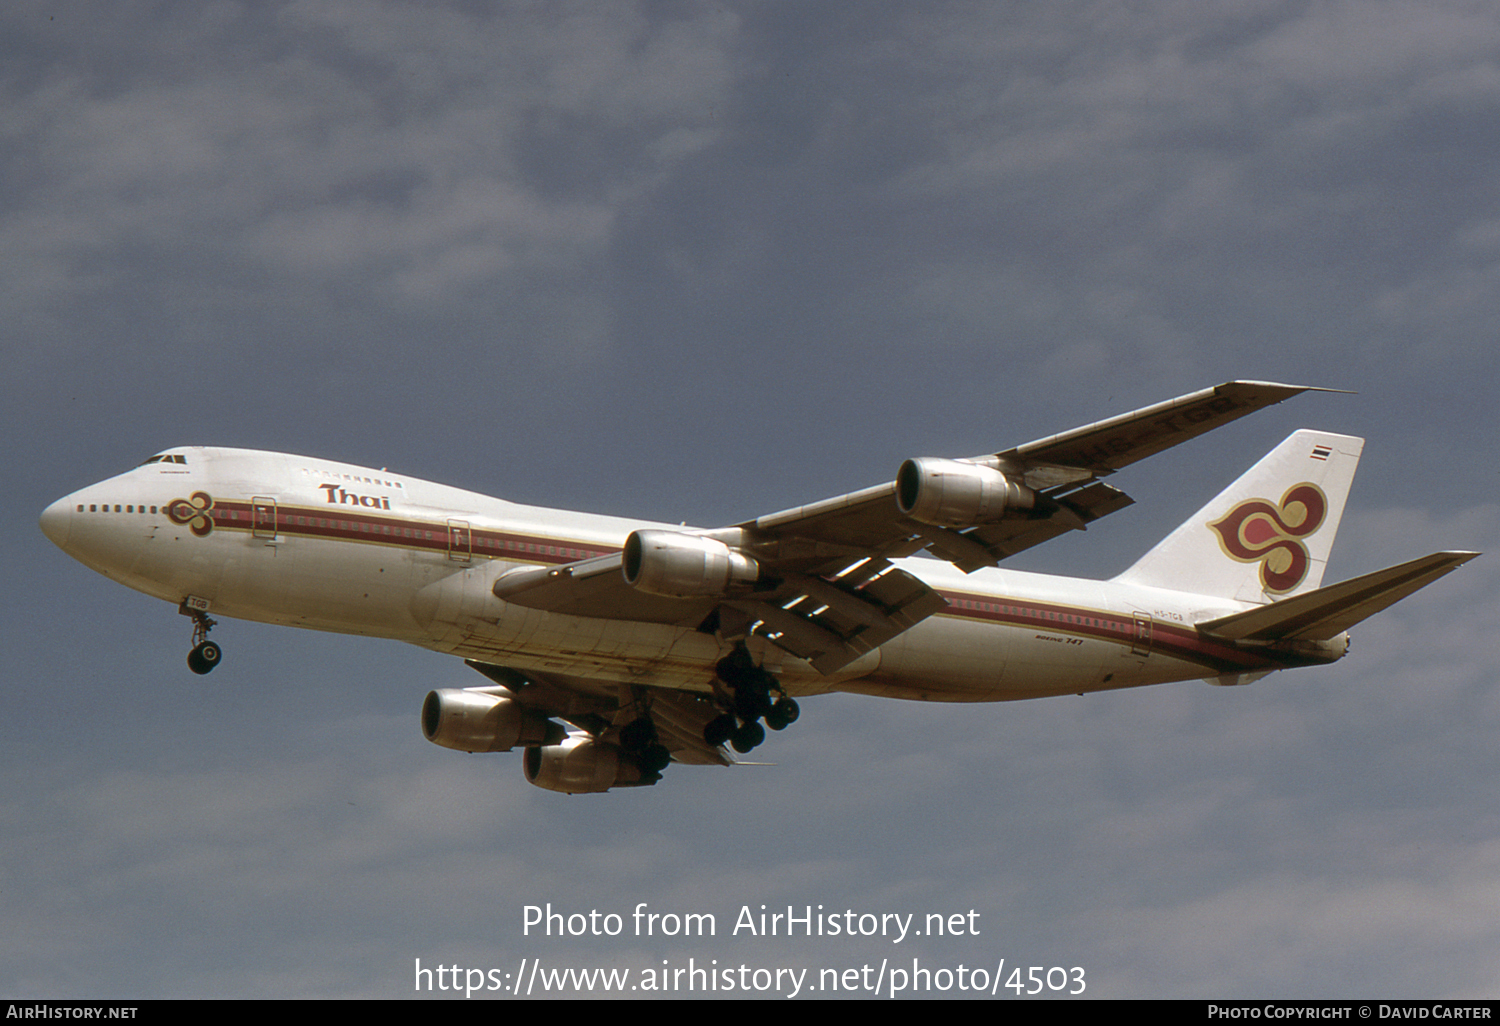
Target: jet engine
x=479, y=721
x=951, y=493
x=582, y=765
x=684, y=565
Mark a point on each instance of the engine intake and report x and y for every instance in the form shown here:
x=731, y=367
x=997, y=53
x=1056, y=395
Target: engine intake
x=951, y=493
x=478, y=721
x=681, y=565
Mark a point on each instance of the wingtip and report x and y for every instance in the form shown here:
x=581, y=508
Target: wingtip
x=1290, y=389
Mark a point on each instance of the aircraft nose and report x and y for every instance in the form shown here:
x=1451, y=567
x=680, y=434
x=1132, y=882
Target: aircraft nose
x=56, y=519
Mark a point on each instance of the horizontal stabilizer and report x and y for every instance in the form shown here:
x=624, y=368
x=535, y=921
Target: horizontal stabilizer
x=1326, y=612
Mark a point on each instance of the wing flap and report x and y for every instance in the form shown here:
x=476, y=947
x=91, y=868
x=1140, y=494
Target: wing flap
x=832, y=622
x=990, y=543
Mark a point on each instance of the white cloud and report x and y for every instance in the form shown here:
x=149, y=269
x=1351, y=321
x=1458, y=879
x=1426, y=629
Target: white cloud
x=377, y=145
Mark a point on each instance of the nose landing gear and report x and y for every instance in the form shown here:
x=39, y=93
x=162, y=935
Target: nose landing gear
x=750, y=689
x=204, y=657
x=205, y=654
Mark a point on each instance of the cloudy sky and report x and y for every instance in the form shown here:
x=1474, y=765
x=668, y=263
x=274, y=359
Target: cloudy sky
x=700, y=261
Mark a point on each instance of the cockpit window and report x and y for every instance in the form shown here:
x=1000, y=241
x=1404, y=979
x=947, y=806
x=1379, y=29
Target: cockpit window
x=167, y=457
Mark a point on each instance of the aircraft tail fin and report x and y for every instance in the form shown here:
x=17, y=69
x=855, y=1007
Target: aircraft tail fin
x=1324, y=613
x=1266, y=537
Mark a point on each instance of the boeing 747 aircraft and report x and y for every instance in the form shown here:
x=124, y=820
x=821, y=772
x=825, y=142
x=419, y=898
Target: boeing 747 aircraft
x=657, y=643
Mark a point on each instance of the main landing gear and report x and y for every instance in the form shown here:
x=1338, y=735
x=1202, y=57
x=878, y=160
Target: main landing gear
x=205, y=654
x=750, y=689
x=638, y=737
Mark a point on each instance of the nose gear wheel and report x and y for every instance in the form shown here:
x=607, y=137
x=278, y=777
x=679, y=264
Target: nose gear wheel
x=205, y=654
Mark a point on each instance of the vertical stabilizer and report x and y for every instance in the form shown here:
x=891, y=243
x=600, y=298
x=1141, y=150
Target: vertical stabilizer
x=1268, y=535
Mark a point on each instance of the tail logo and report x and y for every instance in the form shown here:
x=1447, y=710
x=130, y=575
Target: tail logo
x=1256, y=531
x=194, y=512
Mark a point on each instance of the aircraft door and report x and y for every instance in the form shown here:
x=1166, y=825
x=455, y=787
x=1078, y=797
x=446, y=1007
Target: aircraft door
x=1140, y=643
x=263, y=518
x=460, y=541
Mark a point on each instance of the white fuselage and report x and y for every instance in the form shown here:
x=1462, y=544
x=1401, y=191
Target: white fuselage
x=308, y=542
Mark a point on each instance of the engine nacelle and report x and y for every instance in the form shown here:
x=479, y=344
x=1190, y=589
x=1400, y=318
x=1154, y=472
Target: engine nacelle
x=477, y=721
x=684, y=565
x=581, y=765
x=951, y=493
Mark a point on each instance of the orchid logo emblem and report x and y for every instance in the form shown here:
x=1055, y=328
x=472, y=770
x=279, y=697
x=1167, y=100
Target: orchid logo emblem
x=193, y=512
x=1255, y=531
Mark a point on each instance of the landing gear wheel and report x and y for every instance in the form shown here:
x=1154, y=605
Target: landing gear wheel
x=637, y=734
x=654, y=758
x=205, y=654
x=789, y=710
x=751, y=701
x=204, y=657
x=718, y=730
x=747, y=737
x=783, y=714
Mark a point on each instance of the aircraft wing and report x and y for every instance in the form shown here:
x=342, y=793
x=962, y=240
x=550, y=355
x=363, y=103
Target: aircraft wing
x=1063, y=469
x=1107, y=446
x=828, y=620
x=825, y=588
x=600, y=708
x=595, y=587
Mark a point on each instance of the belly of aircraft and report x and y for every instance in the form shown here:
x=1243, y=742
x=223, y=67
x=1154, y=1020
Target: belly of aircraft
x=952, y=658
x=396, y=593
